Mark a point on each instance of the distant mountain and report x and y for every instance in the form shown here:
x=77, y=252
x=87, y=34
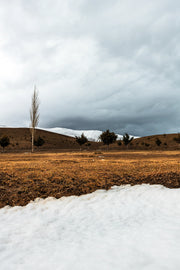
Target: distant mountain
x=92, y=135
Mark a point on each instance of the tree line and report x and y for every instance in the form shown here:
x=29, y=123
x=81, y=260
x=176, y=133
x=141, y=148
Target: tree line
x=107, y=138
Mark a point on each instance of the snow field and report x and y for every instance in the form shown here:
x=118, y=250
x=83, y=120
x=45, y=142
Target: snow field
x=124, y=228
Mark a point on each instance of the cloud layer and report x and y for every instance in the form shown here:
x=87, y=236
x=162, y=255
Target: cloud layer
x=97, y=64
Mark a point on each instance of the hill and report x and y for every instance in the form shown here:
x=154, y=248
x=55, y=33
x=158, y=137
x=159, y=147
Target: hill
x=20, y=140
x=153, y=142
x=157, y=142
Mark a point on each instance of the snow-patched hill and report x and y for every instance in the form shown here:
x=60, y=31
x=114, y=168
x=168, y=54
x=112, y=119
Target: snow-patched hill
x=92, y=135
x=127, y=227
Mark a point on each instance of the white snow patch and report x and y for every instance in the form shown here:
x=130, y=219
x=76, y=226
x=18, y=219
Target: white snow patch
x=124, y=228
x=92, y=135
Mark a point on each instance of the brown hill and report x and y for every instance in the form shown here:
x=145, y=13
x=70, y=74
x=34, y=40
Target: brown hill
x=154, y=142
x=20, y=140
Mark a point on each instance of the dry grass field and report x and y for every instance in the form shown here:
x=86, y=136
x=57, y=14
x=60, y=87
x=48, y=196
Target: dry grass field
x=26, y=176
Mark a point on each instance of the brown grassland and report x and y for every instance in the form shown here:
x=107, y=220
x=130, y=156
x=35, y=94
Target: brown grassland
x=26, y=176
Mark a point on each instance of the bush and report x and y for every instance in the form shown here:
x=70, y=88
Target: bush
x=177, y=139
x=39, y=142
x=4, y=142
x=158, y=142
x=88, y=144
x=81, y=140
x=119, y=143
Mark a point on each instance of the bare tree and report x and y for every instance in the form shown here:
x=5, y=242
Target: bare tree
x=34, y=115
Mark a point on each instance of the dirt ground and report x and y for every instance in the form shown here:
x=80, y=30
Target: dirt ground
x=26, y=176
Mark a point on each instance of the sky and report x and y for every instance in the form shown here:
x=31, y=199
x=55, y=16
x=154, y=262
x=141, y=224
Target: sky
x=97, y=64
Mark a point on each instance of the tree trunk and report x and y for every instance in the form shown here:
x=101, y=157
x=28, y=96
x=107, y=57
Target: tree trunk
x=32, y=139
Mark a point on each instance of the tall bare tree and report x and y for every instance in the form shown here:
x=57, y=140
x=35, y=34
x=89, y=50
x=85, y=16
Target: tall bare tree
x=34, y=115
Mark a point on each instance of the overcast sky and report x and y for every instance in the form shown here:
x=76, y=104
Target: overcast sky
x=97, y=64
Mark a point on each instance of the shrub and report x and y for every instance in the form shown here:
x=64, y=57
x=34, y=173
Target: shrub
x=119, y=143
x=39, y=142
x=158, y=142
x=177, y=139
x=4, y=141
x=81, y=140
x=88, y=144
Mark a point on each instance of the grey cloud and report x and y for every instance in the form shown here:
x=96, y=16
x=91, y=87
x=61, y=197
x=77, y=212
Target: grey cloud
x=141, y=125
x=97, y=64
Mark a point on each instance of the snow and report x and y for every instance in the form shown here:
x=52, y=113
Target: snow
x=92, y=135
x=124, y=228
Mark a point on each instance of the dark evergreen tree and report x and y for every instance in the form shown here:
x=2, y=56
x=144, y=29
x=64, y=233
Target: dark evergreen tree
x=4, y=141
x=81, y=140
x=108, y=137
x=127, y=139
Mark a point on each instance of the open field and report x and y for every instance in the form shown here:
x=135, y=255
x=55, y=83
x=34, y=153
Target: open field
x=26, y=176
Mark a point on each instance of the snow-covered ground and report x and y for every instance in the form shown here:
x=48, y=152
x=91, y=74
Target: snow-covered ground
x=124, y=228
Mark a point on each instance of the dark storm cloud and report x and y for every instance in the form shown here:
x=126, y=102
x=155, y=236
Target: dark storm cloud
x=97, y=64
x=134, y=125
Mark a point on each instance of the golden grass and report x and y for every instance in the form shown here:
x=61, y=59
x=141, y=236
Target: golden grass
x=26, y=176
